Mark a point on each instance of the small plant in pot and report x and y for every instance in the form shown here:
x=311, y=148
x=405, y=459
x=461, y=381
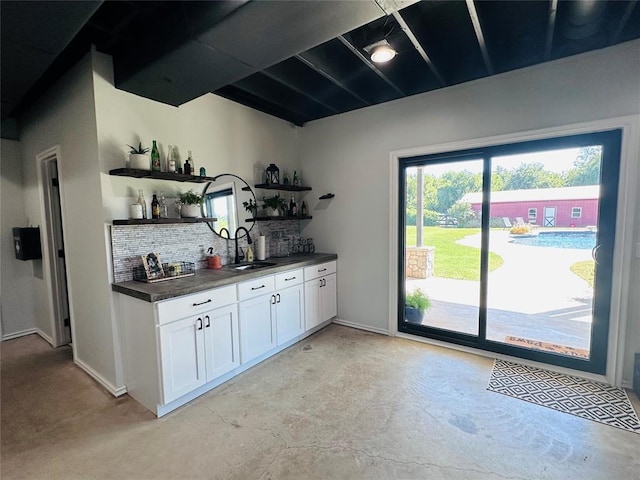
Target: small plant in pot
x=275, y=205
x=251, y=207
x=416, y=304
x=190, y=204
x=139, y=158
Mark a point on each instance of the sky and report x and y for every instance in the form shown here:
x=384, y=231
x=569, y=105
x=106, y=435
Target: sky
x=554, y=160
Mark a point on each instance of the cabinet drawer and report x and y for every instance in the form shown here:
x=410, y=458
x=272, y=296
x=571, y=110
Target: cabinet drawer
x=188, y=305
x=321, y=270
x=256, y=287
x=289, y=279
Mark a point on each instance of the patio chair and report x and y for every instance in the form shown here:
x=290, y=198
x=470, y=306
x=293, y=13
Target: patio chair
x=507, y=222
x=520, y=221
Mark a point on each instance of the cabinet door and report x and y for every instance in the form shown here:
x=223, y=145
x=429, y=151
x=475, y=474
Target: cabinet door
x=257, y=328
x=289, y=313
x=312, y=303
x=222, y=344
x=183, y=360
x=328, y=297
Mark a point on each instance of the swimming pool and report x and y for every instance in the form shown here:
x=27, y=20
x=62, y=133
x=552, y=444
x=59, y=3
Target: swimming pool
x=580, y=240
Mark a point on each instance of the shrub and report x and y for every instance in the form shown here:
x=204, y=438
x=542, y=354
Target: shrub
x=417, y=299
x=520, y=229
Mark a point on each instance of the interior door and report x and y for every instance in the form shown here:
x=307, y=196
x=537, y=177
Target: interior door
x=521, y=289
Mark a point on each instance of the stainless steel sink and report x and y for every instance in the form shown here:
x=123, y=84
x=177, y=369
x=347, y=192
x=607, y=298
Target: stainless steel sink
x=251, y=266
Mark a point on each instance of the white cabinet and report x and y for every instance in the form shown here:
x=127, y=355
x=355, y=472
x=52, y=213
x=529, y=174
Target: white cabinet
x=221, y=341
x=182, y=357
x=289, y=312
x=257, y=327
x=320, y=294
x=271, y=320
x=197, y=350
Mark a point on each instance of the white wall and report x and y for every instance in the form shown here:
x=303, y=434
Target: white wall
x=349, y=155
x=65, y=116
x=16, y=291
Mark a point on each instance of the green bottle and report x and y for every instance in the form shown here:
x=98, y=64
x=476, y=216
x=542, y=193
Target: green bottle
x=155, y=158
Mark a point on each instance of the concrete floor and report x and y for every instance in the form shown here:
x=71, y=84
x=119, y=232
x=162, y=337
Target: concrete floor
x=342, y=404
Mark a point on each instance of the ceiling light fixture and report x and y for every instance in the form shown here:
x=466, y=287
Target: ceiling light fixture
x=380, y=51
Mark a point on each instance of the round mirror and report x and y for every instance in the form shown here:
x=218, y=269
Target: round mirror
x=224, y=199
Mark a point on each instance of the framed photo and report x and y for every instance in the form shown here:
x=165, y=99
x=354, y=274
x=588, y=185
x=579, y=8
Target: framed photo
x=152, y=265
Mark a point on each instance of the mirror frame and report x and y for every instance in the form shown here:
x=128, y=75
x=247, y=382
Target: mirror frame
x=238, y=205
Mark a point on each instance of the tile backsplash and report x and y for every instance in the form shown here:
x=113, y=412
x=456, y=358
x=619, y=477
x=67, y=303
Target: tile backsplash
x=186, y=242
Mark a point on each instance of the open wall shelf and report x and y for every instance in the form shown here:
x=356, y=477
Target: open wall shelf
x=161, y=221
x=282, y=187
x=176, y=177
x=276, y=219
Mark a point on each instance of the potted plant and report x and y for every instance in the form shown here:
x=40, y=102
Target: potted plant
x=415, y=304
x=251, y=207
x=139, y=158
x=190, y=203
x=275, y=205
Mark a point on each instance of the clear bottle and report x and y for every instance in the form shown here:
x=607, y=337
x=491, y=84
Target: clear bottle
x=171, y=162
x=164, y=208
x=296, y=179
x=143, y=202
x=155, y=207
x=155, y=158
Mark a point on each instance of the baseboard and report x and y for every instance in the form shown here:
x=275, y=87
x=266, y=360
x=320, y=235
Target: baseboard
x=115, y=391
x=22, y=333
x=45, y=337
x=361, y=326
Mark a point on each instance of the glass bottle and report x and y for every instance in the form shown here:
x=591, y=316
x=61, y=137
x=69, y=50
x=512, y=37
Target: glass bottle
x=164, y=208
x=293, y=208
x=304, y=209
x=155, y=158
x=187, y=165
x=171, y=162
x=155, y=207
x=143, y=202
x=296, y=180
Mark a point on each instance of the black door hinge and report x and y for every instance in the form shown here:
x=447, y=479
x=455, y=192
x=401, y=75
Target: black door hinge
x=54, y=182
x=61, y=253
x=67, y=322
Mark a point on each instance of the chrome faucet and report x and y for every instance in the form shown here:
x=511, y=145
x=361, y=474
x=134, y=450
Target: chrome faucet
x=249, y=242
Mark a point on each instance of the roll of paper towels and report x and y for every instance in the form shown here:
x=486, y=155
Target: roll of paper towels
x=261, y=248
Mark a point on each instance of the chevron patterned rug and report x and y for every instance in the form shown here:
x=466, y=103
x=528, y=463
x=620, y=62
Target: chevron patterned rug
x=576, y=396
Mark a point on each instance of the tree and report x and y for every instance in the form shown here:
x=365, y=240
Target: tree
x=586, y=168
x=453, y=186
x=532, y=175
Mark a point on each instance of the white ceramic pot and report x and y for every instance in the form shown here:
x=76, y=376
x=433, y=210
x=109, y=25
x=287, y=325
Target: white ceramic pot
x=190, y=211
x=273, y=212
x=139, y=161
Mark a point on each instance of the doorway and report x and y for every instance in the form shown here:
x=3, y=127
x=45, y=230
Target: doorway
x=487, y=278
x=54, y=243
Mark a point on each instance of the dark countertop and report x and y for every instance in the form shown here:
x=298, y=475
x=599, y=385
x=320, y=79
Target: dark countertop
x=204, y=279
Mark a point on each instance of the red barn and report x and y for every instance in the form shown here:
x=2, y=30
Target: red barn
x=546, y=207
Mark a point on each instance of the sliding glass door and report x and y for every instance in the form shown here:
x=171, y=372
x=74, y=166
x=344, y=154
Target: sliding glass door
x=509, y=248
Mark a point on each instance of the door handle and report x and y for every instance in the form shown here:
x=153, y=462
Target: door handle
x=208, y=321
x=278, y=296
x=289, y=279
x=200, y=324
x=273, y=299
x=594, y=253
x=322, y=270
x=257, y=288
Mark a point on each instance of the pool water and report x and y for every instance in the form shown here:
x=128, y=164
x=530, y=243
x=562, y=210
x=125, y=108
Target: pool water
x=579, y=240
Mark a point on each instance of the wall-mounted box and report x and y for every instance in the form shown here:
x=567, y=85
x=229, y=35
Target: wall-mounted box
x=26, y=242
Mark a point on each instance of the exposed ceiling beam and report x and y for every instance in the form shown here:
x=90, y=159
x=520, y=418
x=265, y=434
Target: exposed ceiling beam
x=283, y=81
x=373, y=68
x=551, y=27
x=416, y=43
x=615, y=38
x=479, y=35
x=331, y=78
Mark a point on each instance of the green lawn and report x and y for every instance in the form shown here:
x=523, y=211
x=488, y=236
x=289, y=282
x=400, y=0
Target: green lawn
x=453, y=260
x=585, y=270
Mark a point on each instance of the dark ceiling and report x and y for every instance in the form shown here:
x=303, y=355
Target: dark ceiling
x=297, y=60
